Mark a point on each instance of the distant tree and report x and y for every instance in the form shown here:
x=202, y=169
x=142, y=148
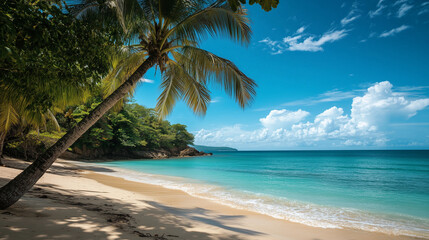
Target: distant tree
x=182, y=136
x=133, y=127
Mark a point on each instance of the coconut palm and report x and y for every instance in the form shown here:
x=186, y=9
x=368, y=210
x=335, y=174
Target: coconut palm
x=8, y=118
x=165, y=34
x=15, y=109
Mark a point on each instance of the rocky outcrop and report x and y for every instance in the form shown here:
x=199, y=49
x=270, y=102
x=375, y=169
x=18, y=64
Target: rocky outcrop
x=85, y=153
x=192, y=152
x=154, y=154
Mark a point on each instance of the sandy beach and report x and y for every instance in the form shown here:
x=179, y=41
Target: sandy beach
x=70, y=202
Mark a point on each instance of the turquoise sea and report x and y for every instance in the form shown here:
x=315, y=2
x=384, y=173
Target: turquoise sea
x=385, y=191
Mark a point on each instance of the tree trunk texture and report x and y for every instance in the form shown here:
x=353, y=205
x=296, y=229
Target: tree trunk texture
x=2, y=137
x=25, y=146
x=17, y=187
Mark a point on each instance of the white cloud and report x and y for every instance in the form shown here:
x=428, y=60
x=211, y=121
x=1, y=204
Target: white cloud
x=351, y=16
x=145, y=80
x=425, y=8
x=369, y=117
x=394, y=31
x=311, y=44
x=215, y=100
x=423, y=11
x=268, y=41
x=399, y=2
x=377, y=11
x=274, y=46
x=348, y=19
x=380, y=103
x=330, y=96
x=303, y=42
x=403, y=10
x=300, y=30
x=283, y=118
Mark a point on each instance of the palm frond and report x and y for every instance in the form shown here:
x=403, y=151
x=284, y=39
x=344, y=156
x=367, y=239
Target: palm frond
x=8, y=116
x=207, y=66
x=52, y=117
x=124, y=64
x=215, y=20
x=172, y=88
x=195, y=93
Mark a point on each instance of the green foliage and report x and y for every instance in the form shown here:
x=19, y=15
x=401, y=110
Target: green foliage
x=267, y=5
x=48, y=134
x=134, y=126
x=48, y=57
x=31, y=145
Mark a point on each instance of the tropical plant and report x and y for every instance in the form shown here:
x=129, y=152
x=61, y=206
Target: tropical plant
x=133, y=128
x=167, y=34
x=47, y=60
x=267, y=5
x=16, y=113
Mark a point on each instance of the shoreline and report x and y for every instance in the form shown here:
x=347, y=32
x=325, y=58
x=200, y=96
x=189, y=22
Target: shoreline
x=140, y=208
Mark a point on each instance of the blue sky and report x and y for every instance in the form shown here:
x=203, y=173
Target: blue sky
x=330, y=74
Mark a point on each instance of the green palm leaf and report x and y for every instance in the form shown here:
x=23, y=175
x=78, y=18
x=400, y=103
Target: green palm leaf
x=195, y=93
x=215, y=20
x=209, y=66
x=172, y=88
x=8, y=116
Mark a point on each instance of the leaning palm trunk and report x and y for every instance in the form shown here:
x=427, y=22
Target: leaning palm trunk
x=169, y=33
x=16, y=188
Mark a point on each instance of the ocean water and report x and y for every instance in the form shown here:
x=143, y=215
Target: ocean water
x=384, y=191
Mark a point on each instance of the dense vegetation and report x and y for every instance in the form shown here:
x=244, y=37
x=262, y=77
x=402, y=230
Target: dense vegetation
x=132, y=128
x=48, y=60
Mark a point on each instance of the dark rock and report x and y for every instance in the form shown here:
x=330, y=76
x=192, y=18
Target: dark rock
x=155, y=154
x=70, y=155
x=191, y=152
x=132, y=153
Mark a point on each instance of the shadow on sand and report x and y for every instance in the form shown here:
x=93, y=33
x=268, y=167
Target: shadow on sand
x=48, y=212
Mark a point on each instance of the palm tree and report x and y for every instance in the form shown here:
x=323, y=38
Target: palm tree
x=15, y=109
x=8, y=118
x=166, y=34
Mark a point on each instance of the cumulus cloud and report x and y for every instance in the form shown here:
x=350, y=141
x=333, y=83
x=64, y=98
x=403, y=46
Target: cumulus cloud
x=283, y=118
x=365, y=126
x=394, y=31
x=381, y=103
